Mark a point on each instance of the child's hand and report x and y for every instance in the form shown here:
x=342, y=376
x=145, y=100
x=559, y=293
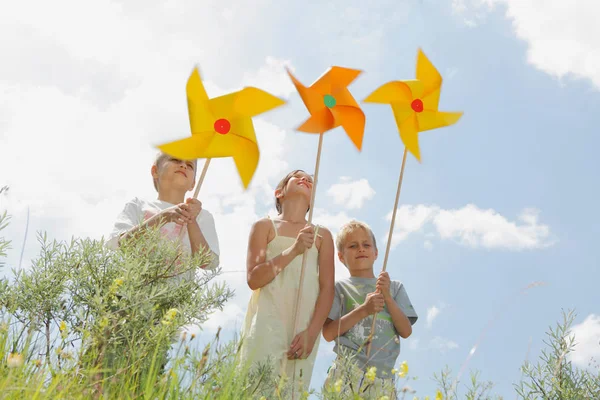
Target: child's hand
x=176, y=214
x=305, y=240
x=194, y=206
x=374, y=303
x=383, y=285
x=302, y=345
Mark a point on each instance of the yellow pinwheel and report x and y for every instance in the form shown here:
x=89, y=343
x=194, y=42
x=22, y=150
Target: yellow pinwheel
x=222, y=126
x=415, y=104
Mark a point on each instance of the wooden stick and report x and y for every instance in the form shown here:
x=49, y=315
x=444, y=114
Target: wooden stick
x=389, y=242
x=198, y=186
x=310, y=214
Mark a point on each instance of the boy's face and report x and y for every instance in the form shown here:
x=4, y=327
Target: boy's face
x=174, y=173
x=358, y=252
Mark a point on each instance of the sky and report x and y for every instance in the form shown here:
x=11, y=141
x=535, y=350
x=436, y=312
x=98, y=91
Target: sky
x=496, y=228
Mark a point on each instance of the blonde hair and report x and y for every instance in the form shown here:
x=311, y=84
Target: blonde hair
x=159, y=159
x=350, y=227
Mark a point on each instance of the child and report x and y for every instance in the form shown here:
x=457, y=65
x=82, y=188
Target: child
x=356, y=299
x=172, y=179
x=274, y=263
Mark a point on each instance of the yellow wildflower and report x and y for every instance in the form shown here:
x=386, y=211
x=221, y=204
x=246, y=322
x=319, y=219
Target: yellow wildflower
x=426, y=398
x=438, y=395
x=371, y=373
x=170, y=316
x=394, y=371
x=15, y=360
x=62, y=327
x=116, y=284
x=384, y=398
x=403, y=370
x=338, y=386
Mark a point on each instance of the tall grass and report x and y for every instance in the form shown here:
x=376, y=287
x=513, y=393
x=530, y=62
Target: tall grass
x=86, y=322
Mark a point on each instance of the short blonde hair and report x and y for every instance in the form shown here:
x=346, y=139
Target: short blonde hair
x=350, y=227
x=161, y=158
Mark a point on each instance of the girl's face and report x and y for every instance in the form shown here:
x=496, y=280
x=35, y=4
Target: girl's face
x=173, y=172
x=300, y=183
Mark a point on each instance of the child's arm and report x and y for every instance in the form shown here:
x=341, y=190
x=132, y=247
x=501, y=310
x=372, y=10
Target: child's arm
x=326, y=282
x=304, y=341
x=198, y=242
x=198, y=238
x=333, y=328
x=400, y=320
x=171, y=214
x=261, y=272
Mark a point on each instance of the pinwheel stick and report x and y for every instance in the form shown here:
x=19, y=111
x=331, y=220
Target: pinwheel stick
x=389, y=242
x=310, y=214
x=198, y=186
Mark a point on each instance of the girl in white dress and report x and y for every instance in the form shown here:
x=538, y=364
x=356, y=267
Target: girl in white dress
x=274, y=262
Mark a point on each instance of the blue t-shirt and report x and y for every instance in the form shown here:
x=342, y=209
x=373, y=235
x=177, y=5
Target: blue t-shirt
x=350, y=293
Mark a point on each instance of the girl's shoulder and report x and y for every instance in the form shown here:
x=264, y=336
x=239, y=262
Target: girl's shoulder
x=321, y=228
x=264, y=226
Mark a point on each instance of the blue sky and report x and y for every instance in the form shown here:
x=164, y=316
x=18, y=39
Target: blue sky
x=504, y=198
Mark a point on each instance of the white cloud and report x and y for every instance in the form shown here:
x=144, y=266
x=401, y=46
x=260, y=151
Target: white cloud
x=587, y=340
x=409, y=219
x=82, y=108
x=351, y=194
x=272, y=77
x=231, y=317
x=442, y=344
x=563, y=37
x=472, y=227
x=432, y=313
x=437, y=343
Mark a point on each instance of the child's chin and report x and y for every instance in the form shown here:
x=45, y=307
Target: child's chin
x=362, y=264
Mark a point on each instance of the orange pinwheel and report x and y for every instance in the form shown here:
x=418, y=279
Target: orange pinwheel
x=415, y=104
x=222, y=126
x=330, y=104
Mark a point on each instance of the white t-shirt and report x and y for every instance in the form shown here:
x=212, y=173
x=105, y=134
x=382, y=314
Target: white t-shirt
x=137, y=211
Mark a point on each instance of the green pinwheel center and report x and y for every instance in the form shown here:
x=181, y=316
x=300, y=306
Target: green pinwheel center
x=329, y=100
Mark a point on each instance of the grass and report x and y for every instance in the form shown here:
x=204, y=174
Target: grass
x=85, y=322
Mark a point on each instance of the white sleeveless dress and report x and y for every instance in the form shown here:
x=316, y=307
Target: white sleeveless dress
x=268, y=326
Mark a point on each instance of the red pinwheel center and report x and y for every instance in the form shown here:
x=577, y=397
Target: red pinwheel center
x=417, y=105
x=222, y=126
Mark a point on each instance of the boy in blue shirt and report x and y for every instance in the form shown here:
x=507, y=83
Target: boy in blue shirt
x=356, y=300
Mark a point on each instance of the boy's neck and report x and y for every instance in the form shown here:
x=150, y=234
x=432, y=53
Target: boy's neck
x=172, y=196
x=363, y=273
